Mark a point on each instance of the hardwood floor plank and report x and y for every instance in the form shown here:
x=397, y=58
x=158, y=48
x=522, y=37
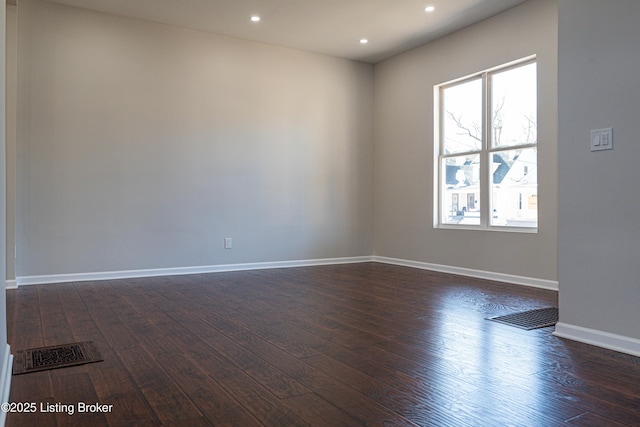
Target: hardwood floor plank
x=410, y=404
x=112, y=328
x=362, y=344
x=212, y=399
x=35, y=388
x=168, y=401
x=183, y=328
x=594, y=397
x=342, y=396
x=55, y=327
x=28, y=323
x=264, y=331
x=109, y=377
x=75, y=390
x=593, y=420
x=318, y=412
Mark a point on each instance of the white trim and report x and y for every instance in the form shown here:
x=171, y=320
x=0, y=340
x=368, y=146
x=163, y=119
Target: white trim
x=12, y=284
x=492, y=228
x=5, y=380
x=598, y=338
x=479, y=274
x=129, y=274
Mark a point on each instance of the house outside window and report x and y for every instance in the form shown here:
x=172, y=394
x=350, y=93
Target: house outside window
x=486, y=133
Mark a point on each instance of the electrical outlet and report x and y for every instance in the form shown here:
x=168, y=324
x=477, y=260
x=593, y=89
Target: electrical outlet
x=228, y=243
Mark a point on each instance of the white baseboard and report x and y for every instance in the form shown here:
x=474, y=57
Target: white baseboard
x=129, y=274
x=598, y=338
x=11, y=284
x=5, y=380
x=478, y=274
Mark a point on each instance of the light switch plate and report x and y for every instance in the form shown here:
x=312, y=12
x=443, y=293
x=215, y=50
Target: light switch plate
x=602, y=139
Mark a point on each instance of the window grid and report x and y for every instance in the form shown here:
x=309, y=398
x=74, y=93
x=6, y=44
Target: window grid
x=488, y=148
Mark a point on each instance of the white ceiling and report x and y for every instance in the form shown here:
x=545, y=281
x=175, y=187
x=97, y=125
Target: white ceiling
x=331, y=27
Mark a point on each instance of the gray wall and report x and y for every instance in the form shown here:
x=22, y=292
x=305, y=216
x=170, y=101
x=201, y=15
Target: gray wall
x=404, y=166
x=599, y=239
x=10, y=117
x=142, y=146
x=5, y=357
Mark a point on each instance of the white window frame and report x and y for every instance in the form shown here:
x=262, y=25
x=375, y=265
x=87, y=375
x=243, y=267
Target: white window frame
x=485, y=152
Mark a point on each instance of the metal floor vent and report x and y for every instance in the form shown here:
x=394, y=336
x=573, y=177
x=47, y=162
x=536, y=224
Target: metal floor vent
x=528, y=320
x=61, y=356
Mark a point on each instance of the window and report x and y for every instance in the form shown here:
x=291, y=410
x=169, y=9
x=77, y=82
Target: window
x=487, y=150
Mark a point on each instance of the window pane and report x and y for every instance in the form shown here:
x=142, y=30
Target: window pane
x=461, y=190
x=514, y=190
x=514, y=106
x=462, y=117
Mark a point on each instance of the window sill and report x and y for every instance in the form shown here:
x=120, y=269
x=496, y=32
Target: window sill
x=524, y=230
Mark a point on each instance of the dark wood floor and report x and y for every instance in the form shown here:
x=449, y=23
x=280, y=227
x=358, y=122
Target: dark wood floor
x=366, y=344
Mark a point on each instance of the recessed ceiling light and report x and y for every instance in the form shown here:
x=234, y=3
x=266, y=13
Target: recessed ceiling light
x=255, y=18
x=429, y=9
x=364, y=41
